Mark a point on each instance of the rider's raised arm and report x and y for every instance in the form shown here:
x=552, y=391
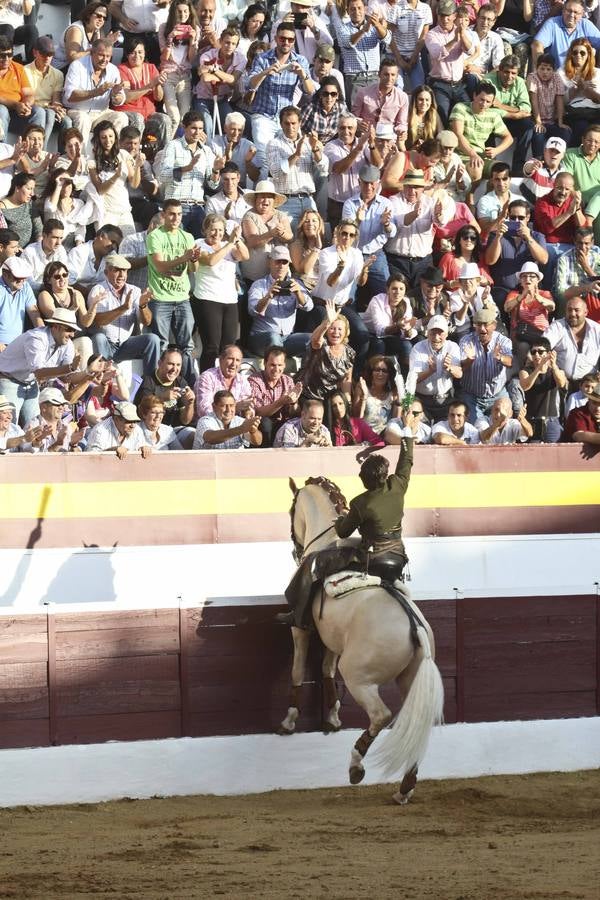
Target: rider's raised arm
x=405, y=461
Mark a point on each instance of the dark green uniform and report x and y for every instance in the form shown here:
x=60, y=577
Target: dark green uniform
x=377, y=514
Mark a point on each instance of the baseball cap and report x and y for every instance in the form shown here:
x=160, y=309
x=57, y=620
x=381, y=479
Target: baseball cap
x=440, y=322
x=448, y=139
x=280, y=253
x=53, y=396
x=556, y=143
x=446, y=8
x=126, y=411
x=325, y=51
x=18, y=267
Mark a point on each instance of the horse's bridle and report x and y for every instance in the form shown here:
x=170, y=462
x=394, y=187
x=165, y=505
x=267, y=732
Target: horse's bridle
x=339, y=504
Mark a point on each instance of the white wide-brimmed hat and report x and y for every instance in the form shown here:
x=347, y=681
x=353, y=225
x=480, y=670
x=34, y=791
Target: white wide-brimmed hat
x=529, y=268
x=64, y=317
x=264, y=187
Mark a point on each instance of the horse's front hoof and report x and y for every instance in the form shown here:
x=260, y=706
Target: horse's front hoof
x=402, y=799
x=282, y=730
x=357, y=773
x=329, y=728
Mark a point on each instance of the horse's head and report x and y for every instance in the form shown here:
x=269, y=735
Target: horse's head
x=315, y=508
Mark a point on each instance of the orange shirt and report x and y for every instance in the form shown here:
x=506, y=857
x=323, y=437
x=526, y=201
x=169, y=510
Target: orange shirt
x=12, y=82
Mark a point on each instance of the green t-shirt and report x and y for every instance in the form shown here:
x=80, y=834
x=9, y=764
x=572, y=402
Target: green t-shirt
x=170, y=245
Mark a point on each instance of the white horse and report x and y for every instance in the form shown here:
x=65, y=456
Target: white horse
x=368, y=634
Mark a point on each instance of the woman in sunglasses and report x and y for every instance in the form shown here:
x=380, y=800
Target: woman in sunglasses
x=376, y=397
x=581, y=78
x=324, y=111
x=540, y=384
x=56, y=294
x=76, y=41
x=467, y=249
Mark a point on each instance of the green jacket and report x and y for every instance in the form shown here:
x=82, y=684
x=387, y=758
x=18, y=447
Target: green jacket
x=377, y=513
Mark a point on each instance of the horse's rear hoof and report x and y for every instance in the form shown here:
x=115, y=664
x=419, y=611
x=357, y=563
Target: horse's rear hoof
x=402, y=799
x=328, y=728
x=282, y=730
x=357, y=773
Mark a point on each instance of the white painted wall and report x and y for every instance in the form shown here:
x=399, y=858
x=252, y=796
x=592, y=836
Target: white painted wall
x=224, y=574
x=237, y=765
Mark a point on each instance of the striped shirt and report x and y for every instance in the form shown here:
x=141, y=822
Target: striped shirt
x=569, y=272
x=364, y=56
x=185, y=186
x=409, y=23
x=276, y=91
x=478, y=128
x=546, y=93
x=487, y=375
x=297, y=178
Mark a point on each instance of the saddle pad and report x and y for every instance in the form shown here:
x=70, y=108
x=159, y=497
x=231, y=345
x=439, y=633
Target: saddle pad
x=343, y=582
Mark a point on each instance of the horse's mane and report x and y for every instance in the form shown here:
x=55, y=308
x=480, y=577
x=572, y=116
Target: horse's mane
x=334, y=495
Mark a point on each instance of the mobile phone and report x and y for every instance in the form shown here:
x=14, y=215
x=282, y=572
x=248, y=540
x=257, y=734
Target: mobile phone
x=513, y=226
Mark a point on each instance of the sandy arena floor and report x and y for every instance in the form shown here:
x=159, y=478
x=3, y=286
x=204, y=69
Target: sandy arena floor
x=507, y=838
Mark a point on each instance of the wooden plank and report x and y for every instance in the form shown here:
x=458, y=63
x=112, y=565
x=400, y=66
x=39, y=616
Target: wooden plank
x=116, y=686
x=118, y=727
x=549, y=705
x=460, y=659
x=23, y=691
x=24, y=733
x=485, y=608
x=108, y=621
x=109, y=643
x=23, y=639
x=52, y=683
x=184, y=637
x=534, y=668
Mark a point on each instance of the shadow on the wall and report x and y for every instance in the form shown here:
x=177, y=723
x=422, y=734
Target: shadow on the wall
x=81, y=579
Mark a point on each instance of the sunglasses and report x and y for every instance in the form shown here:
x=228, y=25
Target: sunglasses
x=6, y=54
x=417, y=412
x=329, y=93
x=381, y=369
x=100, y=15
x=286, y=40
x=537, y=352
x=322, y=59
x=469, y=237
x=60, y=275
x=578, y=52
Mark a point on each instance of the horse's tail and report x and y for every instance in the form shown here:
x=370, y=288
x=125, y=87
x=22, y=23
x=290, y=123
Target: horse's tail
x=404, y=745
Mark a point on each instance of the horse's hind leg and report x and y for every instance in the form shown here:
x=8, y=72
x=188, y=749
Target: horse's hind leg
x=367, y=696
x=301, y=639
x=407, y=787
x=332, y=721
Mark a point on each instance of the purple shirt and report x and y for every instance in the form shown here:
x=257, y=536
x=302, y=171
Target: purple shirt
x=212, y=381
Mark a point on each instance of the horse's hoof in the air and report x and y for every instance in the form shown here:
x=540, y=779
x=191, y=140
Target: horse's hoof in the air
x=402, y=799
x=357, y=773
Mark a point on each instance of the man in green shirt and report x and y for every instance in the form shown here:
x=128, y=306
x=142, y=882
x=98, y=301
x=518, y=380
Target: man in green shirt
x=584, y=165
x=474, y=124
x=172, y=255
x=513, y=103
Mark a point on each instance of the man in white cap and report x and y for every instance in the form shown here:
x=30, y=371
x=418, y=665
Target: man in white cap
x=16, y=298
x=54, y=433
x=119, y=310
x=372, y=214
x=540, y=175
x=274, y=303
x=433, y=365
x=450, y=172
x=486, y=357
x=119, y=432
x=294, y=161
x=346, y=154
x=39, y=355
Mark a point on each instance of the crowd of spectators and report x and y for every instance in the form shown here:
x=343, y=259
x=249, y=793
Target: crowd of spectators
x=316, y=223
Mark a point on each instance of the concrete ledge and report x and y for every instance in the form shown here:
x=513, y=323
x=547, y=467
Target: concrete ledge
x=256, y=763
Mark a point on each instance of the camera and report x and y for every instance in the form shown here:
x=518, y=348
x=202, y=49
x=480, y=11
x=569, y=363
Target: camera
x=300, y=19
x=513, y=226
x=284, y=287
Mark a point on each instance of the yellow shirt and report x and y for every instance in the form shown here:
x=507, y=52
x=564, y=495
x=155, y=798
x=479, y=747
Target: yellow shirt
x=45, y=86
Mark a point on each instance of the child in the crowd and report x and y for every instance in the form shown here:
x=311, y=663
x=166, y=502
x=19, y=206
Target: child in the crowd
x=547, y=94
x=581, y=397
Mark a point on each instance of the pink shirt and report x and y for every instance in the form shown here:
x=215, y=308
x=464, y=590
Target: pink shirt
x=212, y=381
x=378, y=315
x=374, y=107
x=345, y=185
x=446, y=65
x=204, y=90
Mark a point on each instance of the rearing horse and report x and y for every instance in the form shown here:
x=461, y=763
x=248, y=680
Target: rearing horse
x=368, y=634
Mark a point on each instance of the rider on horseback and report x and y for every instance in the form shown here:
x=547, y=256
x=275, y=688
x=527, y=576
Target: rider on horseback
x=377, y=514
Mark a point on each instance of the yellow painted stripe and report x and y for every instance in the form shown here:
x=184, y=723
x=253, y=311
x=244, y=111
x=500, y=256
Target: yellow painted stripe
x=271, y=495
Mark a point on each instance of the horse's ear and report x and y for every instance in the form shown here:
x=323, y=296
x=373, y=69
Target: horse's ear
x=293, y=487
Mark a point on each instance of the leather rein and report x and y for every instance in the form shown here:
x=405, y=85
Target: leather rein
x=339, y=503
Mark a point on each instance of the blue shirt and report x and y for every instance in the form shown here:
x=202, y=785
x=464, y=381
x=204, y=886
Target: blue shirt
x=276, y=91
x=280, y=315
x=12, y=310
x=360, y=58
x=512, y=257
x=371, y=234
x=556, y=39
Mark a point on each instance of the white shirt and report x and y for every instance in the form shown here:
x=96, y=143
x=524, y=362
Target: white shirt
x=423, y=435
x=415, y=239
x=298, y=178
x=511, y=433
x=12, y=431
x=328, y=260
x=38, y=260
x=167, y=438
x=79, y=78
x=378, y=315
x=469, y=435
x=575, y=364
x=236, y=209
x=212, y=423
x=440, y=383
x=148, y=16
x=33, y=350
x=119, y=330
x=80, y=262
x=104, y=436
x=216, y=283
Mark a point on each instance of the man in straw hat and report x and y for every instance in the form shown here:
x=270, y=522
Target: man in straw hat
x=414, y=216
x=39, y=355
